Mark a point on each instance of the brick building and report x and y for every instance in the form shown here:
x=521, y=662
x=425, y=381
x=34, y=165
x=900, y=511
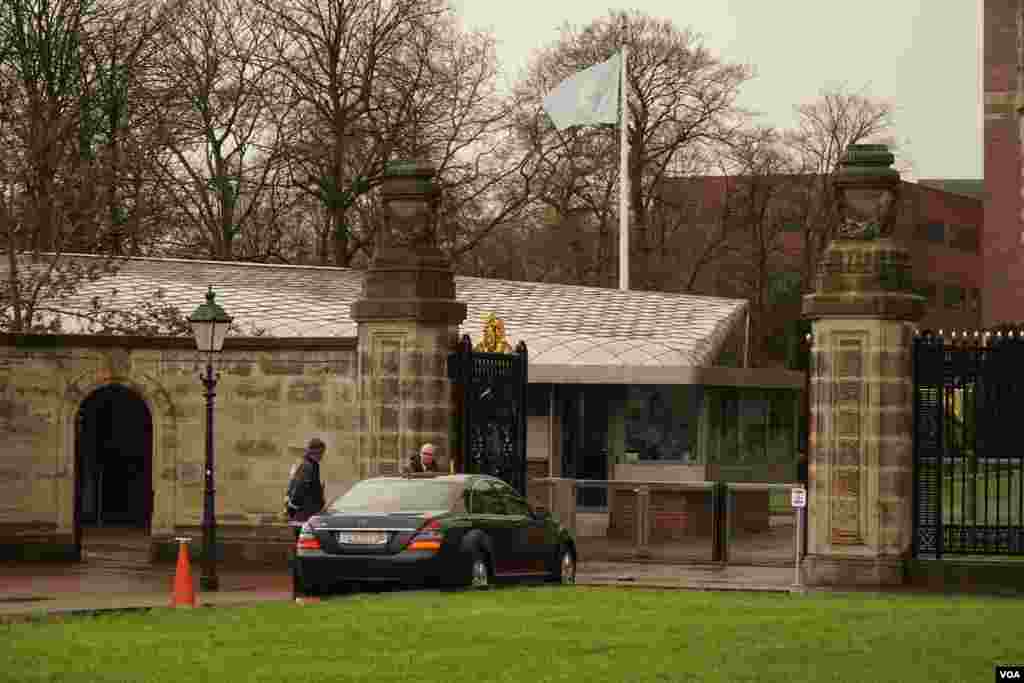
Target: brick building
x=1003, y=239
x=941, y=221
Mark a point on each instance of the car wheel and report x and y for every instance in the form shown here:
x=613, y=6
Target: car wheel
x=479, y=571
x=565, y=570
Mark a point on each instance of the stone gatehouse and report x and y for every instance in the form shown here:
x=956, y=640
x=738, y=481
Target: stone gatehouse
x=110, y=430
x=104, y=430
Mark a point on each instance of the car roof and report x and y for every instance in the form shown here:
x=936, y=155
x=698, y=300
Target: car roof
x=453, y=478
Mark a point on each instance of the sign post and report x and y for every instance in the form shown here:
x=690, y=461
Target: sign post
x=798, y=499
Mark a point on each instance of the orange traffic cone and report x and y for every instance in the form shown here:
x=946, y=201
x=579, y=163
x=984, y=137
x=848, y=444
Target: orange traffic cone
x=183, y=594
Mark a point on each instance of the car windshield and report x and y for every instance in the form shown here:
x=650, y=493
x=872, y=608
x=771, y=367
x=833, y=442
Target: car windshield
x=395, y=495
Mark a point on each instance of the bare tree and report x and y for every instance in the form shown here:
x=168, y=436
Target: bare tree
x=64, y=116
x=825, y=128
x=682, y=98
x=373, y=80
x=571, y=181
x=760, y=204
x=336, y=58
x=486, y=176
x=692, y=221
x=216, y=83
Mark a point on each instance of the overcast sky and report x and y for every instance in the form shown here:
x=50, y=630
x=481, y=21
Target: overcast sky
x=923, y=56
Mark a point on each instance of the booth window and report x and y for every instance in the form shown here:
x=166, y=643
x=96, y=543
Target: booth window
x=661, y=422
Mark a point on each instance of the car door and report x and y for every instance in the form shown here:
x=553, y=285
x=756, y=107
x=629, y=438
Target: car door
x=488, y=516
x=527, y=532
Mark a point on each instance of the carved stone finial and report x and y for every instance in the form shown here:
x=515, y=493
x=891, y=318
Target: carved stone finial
x=868, y=190
x=410, y=196
x=409, y=277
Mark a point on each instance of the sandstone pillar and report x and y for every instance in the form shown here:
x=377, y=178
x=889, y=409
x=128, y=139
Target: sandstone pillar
x=863, y=313
x=408, y=322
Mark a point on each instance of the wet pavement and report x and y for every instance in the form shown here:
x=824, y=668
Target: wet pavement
x=27, y=589
x=116, y=576
x=688, y=576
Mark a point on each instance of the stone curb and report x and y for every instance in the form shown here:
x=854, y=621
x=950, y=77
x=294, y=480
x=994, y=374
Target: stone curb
x=35, y=612
x=39, y=614
x=669, y=585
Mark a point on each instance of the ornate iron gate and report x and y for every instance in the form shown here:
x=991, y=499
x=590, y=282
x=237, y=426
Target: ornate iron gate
x=492, y=412
x=968, y=464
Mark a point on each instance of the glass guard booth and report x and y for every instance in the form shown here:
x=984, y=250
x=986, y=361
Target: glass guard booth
x=740, y=432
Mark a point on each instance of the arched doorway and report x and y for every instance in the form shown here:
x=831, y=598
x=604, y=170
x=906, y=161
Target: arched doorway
x=114, y=465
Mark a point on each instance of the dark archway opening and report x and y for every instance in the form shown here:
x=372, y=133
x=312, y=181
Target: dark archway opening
x=114, y=457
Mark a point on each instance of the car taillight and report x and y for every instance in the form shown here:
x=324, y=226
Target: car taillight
x=429, y=537
x=308, y=541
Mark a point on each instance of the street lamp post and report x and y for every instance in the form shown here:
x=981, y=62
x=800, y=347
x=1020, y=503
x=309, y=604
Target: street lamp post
x=209, y=326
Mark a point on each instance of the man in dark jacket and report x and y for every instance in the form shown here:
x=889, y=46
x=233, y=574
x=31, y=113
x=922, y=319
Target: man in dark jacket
x=305, y=490
x=305, y=498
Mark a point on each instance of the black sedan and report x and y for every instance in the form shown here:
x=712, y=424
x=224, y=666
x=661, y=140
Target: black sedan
x=452, y=530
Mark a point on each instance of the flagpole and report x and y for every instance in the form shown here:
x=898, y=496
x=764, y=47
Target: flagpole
x=624, y=169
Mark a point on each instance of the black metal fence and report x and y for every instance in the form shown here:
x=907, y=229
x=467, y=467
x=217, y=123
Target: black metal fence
x=968, y=457
x=491, y=390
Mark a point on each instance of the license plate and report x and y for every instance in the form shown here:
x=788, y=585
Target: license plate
x=362, y=538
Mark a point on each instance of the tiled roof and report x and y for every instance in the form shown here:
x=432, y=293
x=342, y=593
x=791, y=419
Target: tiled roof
x=561, y=324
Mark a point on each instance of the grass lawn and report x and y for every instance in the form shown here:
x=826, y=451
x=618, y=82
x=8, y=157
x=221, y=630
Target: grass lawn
x=535, y=634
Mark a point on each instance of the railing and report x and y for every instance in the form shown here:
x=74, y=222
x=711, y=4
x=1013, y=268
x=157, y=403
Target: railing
x=761, y=524
x=968, y=473
x=672, y=521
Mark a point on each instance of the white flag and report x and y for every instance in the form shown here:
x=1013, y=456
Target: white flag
x=588, y=98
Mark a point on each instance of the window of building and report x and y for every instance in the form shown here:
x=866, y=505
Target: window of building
x=661, y=422
x=965, y=237
x=747, y=428
x=953, y=296
x=932, y=232
x=927, y=290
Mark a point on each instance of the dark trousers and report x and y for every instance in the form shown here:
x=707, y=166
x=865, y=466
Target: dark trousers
x=296, y=530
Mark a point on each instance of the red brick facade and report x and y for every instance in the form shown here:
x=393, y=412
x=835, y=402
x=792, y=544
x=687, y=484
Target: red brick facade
x=942, y=229
x=1003, y=240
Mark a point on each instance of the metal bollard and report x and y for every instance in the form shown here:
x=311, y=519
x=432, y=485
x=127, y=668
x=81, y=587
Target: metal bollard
x=643, y=501
x=796, y=544
x=798, y=586
x=637, y=522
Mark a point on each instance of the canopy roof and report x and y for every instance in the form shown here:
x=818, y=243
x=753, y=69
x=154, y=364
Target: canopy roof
x=561, y=324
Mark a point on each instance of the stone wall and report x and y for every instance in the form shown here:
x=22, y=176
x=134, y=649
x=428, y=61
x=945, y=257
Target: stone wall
x=861, y=427
x=407, y=397
x=861, y=422
x=269, y=402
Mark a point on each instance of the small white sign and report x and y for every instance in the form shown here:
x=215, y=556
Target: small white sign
x=799, y=498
